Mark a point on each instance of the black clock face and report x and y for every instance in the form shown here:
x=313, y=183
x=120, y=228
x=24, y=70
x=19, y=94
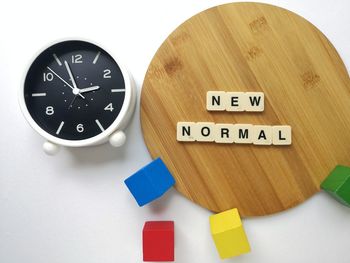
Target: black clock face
x=74, y=90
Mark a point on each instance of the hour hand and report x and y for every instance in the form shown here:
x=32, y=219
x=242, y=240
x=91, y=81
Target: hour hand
x=89, y=89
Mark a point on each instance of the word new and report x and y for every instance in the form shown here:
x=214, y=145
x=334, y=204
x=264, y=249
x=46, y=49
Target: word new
x=235, y=101
x=234, y=133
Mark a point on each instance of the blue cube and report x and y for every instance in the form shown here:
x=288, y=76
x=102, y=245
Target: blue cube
x=150, y=182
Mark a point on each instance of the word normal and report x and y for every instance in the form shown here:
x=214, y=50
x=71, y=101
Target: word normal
x=234, y=133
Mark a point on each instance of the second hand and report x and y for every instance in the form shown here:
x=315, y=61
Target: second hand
x=71, y=104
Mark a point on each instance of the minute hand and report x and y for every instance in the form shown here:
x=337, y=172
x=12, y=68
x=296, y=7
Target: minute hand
x=89, y=89
x=70, y=74
x=76, y=90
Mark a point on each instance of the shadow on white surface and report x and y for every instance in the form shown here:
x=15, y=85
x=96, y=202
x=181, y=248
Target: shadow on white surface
x=158, y=206
x=97, y=155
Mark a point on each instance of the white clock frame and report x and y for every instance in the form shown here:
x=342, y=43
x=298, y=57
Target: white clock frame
x=114, y=133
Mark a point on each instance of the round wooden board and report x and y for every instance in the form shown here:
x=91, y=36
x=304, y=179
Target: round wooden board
x=249, y=47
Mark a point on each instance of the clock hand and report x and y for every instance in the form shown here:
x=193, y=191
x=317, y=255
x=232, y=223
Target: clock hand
x=82, y=91
x=65, y=82
x=60, y=78
x=71, y=104
x=70, y=74
x=89, y=89
x=76, y=90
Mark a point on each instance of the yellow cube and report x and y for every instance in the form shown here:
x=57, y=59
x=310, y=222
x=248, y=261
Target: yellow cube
x=228, y=234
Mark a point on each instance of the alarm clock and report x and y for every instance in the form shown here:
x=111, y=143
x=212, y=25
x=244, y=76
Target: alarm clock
x=76, y=94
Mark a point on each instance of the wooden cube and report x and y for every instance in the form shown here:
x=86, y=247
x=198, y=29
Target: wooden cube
x=243, y=133
x=228, y=234
x=281, y=135
x=224, y=133
x=216, y=100
x=185, y=131
x=235, y=101
x=158, y=241
x=150, y=182
x=205, y=131
x=338, y=184
x=262, y=135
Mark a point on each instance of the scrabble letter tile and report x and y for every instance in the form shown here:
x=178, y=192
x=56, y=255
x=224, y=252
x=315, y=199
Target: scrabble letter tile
x=224, y=133
x=281, y=135
x=243, y=133
x=235, y=101
x=216, y=100
x=228, y=234
x=338, y=184
x=205, y=131
x=150, y=182
x=185, y=131
x=262, y=135
x=254, y=101
x=158, y=241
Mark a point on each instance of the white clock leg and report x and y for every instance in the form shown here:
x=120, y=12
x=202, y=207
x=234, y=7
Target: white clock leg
x=117, y=138
x=51, y=148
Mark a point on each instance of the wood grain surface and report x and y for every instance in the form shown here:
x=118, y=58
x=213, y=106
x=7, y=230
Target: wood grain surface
x=249, y=47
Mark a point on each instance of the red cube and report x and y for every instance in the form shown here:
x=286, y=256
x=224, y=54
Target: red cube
x=158, y=241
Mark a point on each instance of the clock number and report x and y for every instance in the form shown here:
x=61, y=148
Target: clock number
x=77, y=59
x=109, y=107
x=48, y=76
x=80, y=128
x=107, y=74
x=49, y=110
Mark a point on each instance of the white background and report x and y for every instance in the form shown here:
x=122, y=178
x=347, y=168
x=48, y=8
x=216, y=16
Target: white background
x=75, y=207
